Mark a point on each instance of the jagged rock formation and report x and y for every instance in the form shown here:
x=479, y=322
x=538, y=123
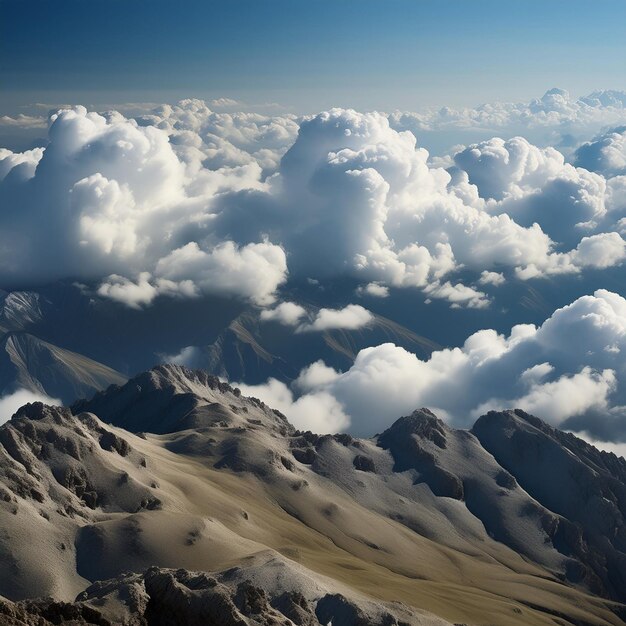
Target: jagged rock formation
x=171, y=399
x=234, y=597
x=584, y=487
x=447, y=523
x=58, y=473
x=48, y=612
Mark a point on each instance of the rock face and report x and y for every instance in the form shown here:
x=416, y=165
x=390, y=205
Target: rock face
x=583, y=486
x=173, y=495
x=48, y=612
x=172, y=399
x=21, y=309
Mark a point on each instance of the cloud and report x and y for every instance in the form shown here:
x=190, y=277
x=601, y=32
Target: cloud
x=286, y=313
x=23, y=121
x=185, y=200
x=556, y=109
x=351, y=317
x=606, y=154
x=541, y=370
x=110, y=198
x=502, y=168
x=374, y=290
x=458, y=295
x=133, y=294
x=224, y=138
x=189, y=356
x=315, y=375
x=565, y=397
x=225, y=103
x=491, y=278
x=535, y=186
x=10, y=403
x=20, y=166
x=254, y=270
x=354, y=196
x=319, y=411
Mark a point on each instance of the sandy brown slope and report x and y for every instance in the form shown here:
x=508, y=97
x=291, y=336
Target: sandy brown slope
x=230, y=483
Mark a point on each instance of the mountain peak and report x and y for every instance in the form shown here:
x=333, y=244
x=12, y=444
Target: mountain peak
x=31, y=363
x=517, y=420
x=170, y=398
x=423, y=423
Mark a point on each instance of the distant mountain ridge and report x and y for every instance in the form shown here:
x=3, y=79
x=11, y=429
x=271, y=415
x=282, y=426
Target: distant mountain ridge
x=253, y=350
x=28, y=362
x=243, y=348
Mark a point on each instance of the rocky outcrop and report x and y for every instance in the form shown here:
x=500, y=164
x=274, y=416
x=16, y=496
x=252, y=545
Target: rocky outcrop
x=171, y=398
x=59, y=471
x=583, y=486
x=48, y=612
x=404, y=440
x=167, y=597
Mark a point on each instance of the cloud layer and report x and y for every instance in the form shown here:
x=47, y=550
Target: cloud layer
x=185, y=200
x=556, y=109
x=580, y=384
x=110, y=197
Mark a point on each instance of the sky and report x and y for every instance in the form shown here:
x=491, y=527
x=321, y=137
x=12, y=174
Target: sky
x=307, y=55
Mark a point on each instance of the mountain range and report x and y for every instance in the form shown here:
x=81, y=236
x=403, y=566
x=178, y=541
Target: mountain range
x=174, y=497
x=62, y=340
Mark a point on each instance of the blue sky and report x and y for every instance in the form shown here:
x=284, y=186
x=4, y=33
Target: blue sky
x=308, y=54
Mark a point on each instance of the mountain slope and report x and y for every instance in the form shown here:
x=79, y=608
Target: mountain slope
x=586, y=486
x=422, y=515
x=20, y=309
x=30, y=363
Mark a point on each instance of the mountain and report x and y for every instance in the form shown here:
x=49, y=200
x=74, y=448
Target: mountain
x=586, y=487
x=20, y=309
x=226, y=339
x=215, y=502
x=29, y=363
x=251, y=350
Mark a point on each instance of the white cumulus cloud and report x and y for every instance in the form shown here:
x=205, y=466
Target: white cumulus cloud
x=286, y=313
x=351, y=317
x=235, y=203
